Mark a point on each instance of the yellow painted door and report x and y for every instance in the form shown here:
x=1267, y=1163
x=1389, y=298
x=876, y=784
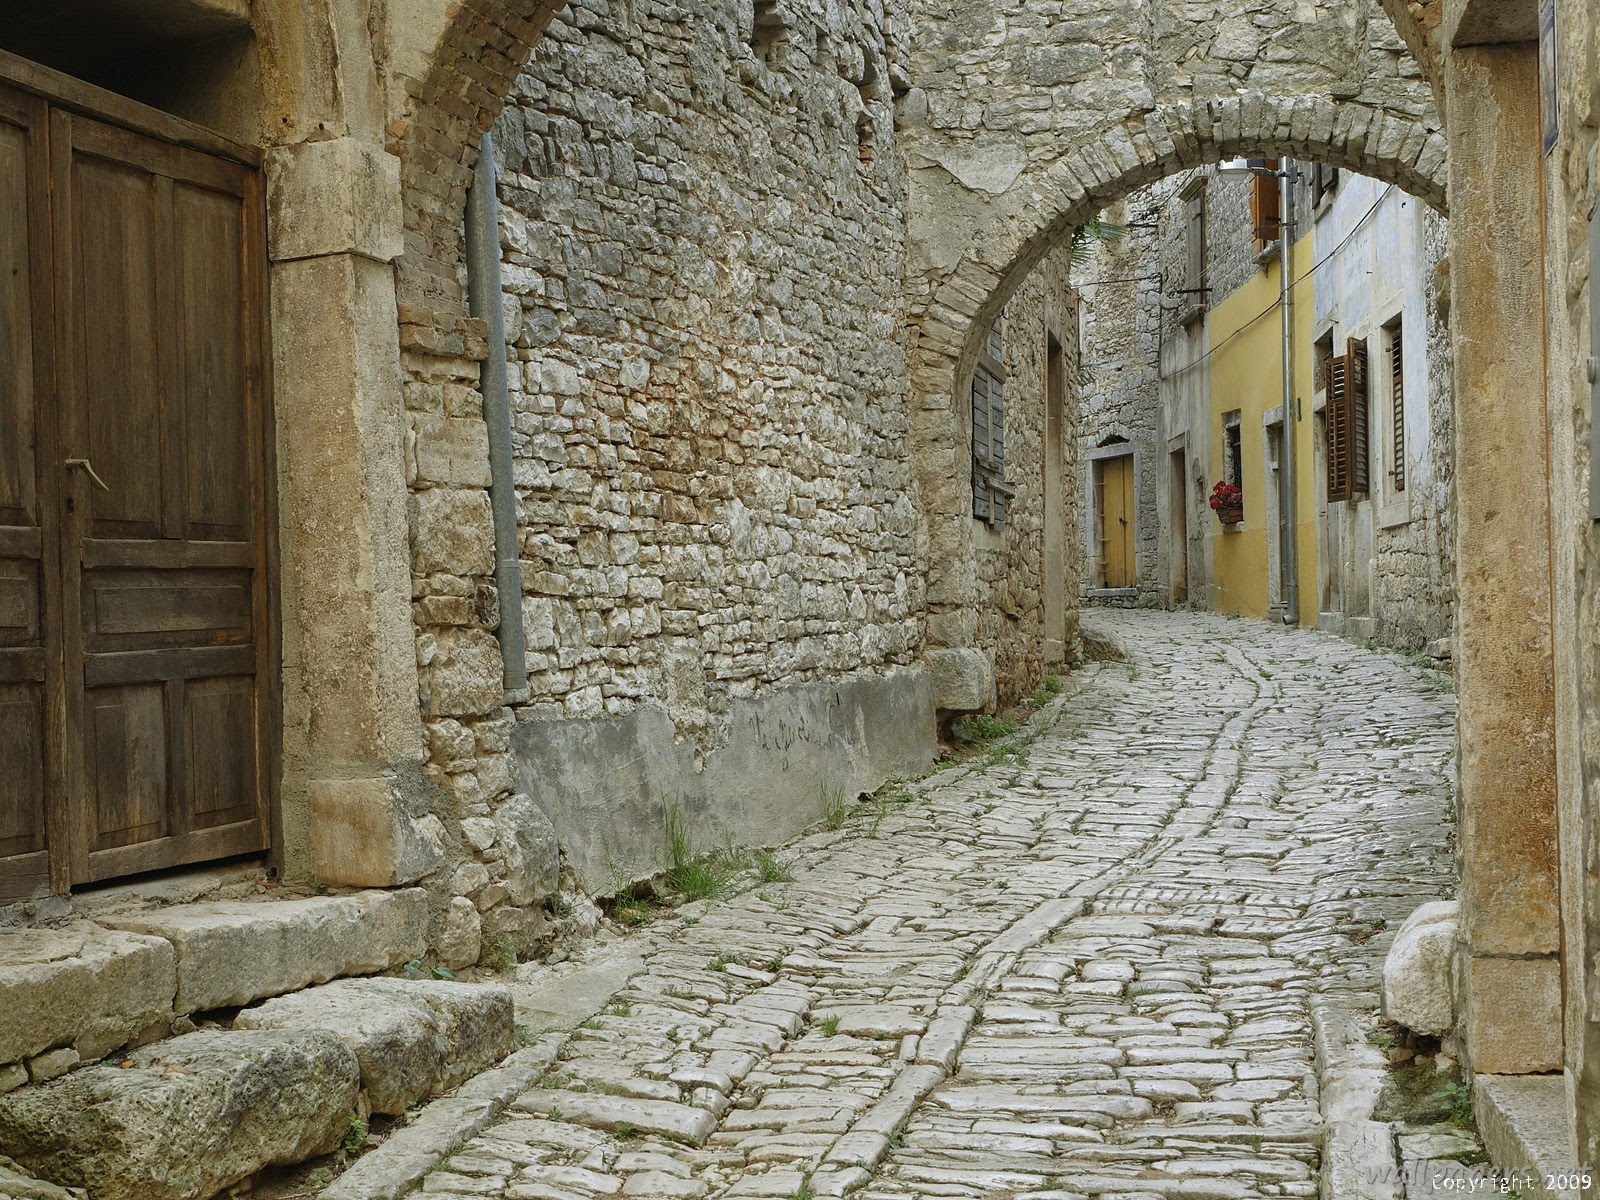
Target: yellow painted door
x=1116, y=521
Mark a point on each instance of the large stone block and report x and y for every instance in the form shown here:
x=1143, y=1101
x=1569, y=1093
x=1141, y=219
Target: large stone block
x=963, y=679
x=230, y=952
x=340, y=196
x=362, y=835
x=532, y=850
x=81, y=986
x=1416, y=974
x=413, y=1038
x=186, y=1118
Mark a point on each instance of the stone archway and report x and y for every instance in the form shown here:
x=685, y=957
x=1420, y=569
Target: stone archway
x=983, y=217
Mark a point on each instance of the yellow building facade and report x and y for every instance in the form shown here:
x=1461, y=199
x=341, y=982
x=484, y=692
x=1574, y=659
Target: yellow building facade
x=1246, y=392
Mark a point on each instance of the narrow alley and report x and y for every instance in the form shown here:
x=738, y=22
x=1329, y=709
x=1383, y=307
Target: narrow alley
x=1089, y=965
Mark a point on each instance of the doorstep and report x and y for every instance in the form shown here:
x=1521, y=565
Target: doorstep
x=1528, y=1127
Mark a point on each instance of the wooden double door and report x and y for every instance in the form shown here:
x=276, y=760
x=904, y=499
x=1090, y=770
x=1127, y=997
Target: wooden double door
x=1114, y=502
x=136, y=661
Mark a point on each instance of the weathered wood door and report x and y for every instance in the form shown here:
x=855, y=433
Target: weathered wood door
x=1115, y=494
x=138, y=660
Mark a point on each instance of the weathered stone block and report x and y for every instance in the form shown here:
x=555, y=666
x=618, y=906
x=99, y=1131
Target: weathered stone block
x=1416, y=973
x=361, y=835
x=187, y=1117
x=83, y=986
x=412, y=1038
x=452, y=532
x=233, y=952
x=963, y=679
x=532, y=850
x=340, y=196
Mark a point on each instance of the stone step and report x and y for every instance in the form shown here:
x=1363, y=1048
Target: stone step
x=232, y=952
x=185, y=1118
x=77, y=992
x=412, y=1038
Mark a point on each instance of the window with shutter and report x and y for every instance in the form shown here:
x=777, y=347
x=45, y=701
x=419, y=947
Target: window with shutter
x=1397, y=409
x=1360, y=440
x=989, y=492
x=1324, y=180
x=1264, y=212
x=1338, y=431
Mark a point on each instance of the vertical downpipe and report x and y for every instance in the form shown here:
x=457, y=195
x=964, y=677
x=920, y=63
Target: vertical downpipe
x=1288, y=537
x=485, y=301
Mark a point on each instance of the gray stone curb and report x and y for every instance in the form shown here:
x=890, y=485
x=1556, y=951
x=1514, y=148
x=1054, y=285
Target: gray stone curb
x=1359, y=1157
x=397, y=1166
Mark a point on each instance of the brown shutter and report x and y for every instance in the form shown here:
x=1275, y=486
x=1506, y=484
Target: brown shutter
x=1360, y=441
x=1338, y=420
x=1397, y=407
x=1264, y=207
x=980, y=442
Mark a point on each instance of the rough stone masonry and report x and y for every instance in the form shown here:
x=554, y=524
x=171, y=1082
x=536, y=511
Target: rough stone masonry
x=703, y=244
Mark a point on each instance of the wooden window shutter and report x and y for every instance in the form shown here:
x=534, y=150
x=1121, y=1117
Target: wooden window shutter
x=1338, y=421
x=980, y=442
x=1360, y=441
x=1264, y=207
x=1397, y=409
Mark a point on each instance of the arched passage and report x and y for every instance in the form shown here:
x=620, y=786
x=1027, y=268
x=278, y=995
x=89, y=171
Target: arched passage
x=983, y=230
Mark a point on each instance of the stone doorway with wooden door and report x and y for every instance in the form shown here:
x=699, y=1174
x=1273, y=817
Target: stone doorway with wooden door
x=1114, y=505
x=137, y=647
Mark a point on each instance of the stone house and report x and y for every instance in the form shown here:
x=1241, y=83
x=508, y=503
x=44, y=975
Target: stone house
x=293, y=654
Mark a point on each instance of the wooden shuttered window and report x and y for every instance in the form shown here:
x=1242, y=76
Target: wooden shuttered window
x=1397, y=410
x=990, y=495
x=1349, y=441
x=1264, y=212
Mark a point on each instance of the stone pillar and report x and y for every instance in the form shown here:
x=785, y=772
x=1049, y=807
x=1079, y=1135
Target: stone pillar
x=1510, y=970
x=353, y=809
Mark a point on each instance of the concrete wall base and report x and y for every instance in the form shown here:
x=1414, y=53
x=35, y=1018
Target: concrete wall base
x=609, y=784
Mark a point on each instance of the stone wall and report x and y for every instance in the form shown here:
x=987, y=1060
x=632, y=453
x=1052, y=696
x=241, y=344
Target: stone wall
x=1122, y=290
x=701, y=240
x=1011, y=560
x=1413, y=575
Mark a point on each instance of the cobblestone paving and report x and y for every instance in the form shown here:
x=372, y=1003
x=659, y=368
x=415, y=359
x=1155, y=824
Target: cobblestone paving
x=1088, y=973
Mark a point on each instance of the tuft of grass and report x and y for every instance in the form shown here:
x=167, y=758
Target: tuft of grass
x=1459, y=1097
x=593, y=1023
x=720, y=962
x=692, y=875
x=771, y=869
x=985, y=728
x=503, y=958
x=803, y=1192
x=835, y=809
x=631, y=911
x=829, y=1024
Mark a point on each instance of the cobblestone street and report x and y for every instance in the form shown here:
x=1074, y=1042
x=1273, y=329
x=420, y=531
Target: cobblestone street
x=1086, y=968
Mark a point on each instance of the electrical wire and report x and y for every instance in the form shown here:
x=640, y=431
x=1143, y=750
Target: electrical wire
x=1293, y=283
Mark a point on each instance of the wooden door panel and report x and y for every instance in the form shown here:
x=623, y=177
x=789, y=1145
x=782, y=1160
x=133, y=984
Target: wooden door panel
x=128, y=754
x=30, y=721
x=219, y=721
x=117, y=344
x=217, y=438
x=22, y=781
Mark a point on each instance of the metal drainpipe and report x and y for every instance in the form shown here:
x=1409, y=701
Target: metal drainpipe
x=485, y=301
x=1290, y=557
